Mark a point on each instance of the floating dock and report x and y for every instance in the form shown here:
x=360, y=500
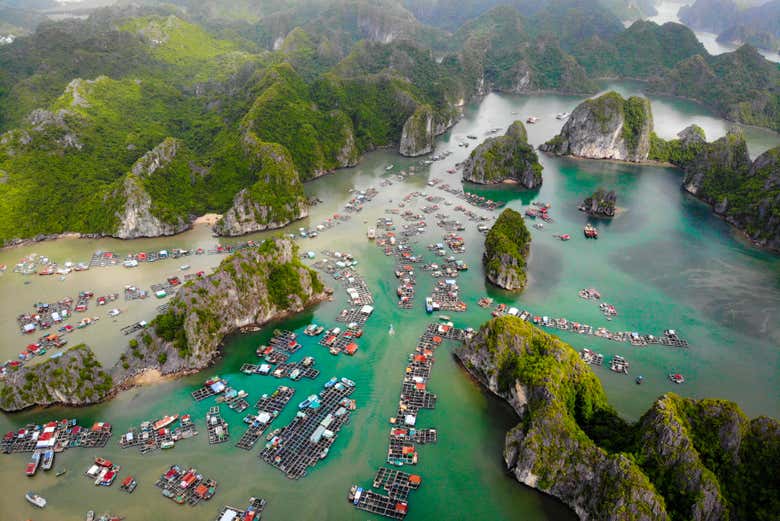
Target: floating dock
x=308, y=437
x=254, y=511
x=216, y=426
x=186, y=486
x=153, y=435
x=59, y=435
x=268, y=407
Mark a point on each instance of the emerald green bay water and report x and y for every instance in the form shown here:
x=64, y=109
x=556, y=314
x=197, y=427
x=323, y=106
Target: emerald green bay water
x=664, y=262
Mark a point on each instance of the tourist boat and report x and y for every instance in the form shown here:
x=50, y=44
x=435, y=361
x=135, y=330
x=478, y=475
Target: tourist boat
x=677, y=378
x=485, y=302
x=32, y=466
x=371, y=234
x=531, y=120
x=562, y=115
x=429, y=304
x=590, y=232
x=165, y=421
x=130, y=263
x=129, y=484
x=35, y=499
x=48, y=459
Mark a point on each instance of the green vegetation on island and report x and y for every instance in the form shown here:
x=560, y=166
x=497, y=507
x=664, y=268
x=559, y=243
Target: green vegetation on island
x=251, y=287
x=746, y=193
x=82, y=102
x=507, y=246
x=505, y=158
x=74, y=378
x=684, y=459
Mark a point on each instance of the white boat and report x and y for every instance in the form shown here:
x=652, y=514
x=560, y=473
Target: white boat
x=531, y=120
x=114, y=312
x=389, y=167
x=35, y=499
x=130, y=263
x=184, y=267
x=562, y=115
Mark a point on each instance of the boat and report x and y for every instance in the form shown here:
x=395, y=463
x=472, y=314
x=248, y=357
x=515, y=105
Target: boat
x=32, y=466
x=389, y=167
x=590, y=232
x=35, y=499
x=184, y=267
x=48, y=459
x=391, y=331
x=90, y=515
x=677, y=378
x=565, y=237
x=129, y=484
x=429, y=304
x=371, y=234
x=61, y=472
x=531, y=120
x=445, y=318
x=167, y=444
x=165, y=421
x=562, y=115
x=639, y=379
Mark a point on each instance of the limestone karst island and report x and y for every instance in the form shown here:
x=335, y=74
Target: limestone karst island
x=332, y=260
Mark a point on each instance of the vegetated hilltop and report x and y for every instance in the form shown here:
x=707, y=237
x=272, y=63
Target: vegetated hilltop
x=746, y=193
x=74, y=378
x=684, y=459
x=251, y=287
x=507, y=246
x=505, y=158
x=87, y=103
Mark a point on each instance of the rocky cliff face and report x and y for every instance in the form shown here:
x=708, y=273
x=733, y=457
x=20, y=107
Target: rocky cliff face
x=249, y=216
x=745, y=193
x=548, y=451
x=251, y=287
x=274, y=201
x=420, y=129
x=507, y=245
x=760, y=218
x=136, y=217
x=75, y=378
x=685, y=459
x=505, y=158
x=607, y=127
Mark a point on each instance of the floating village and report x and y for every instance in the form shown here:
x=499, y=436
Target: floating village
x=251, y=423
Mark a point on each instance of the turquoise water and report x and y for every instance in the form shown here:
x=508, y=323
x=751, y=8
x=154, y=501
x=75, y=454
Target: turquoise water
x=664, y=262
